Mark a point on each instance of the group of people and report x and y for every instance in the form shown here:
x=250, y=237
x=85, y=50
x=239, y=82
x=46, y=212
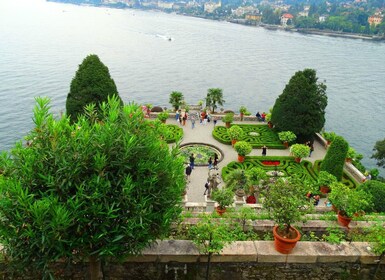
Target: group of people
x=203, y=118
x=261, y=117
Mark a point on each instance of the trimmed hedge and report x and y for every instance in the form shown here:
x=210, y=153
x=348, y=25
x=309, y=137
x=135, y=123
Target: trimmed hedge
x=377, y=190
x=287, y=165
x=265, y=136
x=174, y=134
x=335, y=157
x=346, y=178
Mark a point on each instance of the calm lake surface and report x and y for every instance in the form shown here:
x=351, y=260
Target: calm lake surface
x=43, y=43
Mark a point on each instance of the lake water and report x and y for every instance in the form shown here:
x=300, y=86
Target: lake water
x=42, y=44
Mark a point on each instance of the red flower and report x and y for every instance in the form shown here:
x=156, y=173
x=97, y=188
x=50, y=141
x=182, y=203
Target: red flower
x=268, y=162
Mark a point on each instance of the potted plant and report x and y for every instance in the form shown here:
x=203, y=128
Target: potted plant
x=351, y=154
x=235, y=133
x=348, y=202
x=286, y=137
x=243, y=148
x=286, y=202
x=242, y=111
x=163, y=116
x=238, y=180
x=325, y=180
x=224, y=197
x=299, y=151
x=329, y=137
x=258, y=182
x=228, y=119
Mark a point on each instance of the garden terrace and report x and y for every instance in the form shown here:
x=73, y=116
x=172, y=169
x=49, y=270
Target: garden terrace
x=256, y=135
x=201, y=151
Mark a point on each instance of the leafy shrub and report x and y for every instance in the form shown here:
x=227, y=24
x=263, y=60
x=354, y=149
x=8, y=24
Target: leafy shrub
x=235, y=132
x=377, y=190
x=163, y=116
x=329, y=136
x=287, y=136
x=243, y=148
x=229, y=117
x=335, y=157
x=326, y=179
x=300, y=150
x=224, y=197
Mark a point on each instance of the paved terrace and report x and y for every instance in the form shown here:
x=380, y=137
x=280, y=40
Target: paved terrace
x=203, y=133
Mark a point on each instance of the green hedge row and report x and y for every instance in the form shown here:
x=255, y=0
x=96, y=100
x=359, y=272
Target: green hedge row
x=256, y=135
x=174, y=133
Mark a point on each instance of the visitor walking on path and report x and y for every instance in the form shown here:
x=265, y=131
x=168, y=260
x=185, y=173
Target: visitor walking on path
x=188, y=172
x=216, y=161
x=192, y=122
x=215, y=121
x=264, y=150
x=210, y=163
x=192, y=161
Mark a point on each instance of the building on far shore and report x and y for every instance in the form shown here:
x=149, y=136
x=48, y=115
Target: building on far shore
x=286, y=19
x=210, y=7
x=375, y=19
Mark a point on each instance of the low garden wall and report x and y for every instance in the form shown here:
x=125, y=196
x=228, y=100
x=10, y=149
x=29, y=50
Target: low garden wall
x=179, y=259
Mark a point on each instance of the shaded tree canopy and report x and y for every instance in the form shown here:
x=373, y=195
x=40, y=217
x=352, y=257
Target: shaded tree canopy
x=214, y=97
x=92, y=84
x=379, y=153
x=102, y=188
x=301, y=106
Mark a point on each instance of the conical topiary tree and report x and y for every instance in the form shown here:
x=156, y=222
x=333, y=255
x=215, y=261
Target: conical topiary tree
x=334, y=160
x=301, y=106
x=92, y=84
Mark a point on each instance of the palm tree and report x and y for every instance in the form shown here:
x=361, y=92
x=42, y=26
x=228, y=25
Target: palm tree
x=214, y=97
x=176, y=99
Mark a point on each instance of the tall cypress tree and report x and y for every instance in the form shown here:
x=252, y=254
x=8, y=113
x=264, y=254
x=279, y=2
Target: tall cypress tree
x=92, y=84
x=301, y=106
x=335, y=157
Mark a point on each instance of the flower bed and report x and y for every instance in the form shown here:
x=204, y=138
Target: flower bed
x=201, y=151
x=269, y=162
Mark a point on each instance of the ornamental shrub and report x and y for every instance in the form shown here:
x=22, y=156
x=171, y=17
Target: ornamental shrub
x=335, y=157
x=92, y=84
x=95, y=190
x=235, y=132
x=300, y=150
x=377, y=190
x=243, y=148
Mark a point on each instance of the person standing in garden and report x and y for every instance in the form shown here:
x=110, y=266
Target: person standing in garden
x=264, y=150
x=216, y=161
x=210, y=162
x=188, y=172
x=192, y=122
x=192, y=161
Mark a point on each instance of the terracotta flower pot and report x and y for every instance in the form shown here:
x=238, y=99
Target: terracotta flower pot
x=220, y=211
x=285, y=245
x=298, y=159
x=343, y=220
x=241, y=158
x=286, y=144
x=233, y=141
x=227, y=124
x=324, y=189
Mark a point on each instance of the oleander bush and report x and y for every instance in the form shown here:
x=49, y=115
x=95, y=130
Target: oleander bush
x=377, y=190
x=335, y=157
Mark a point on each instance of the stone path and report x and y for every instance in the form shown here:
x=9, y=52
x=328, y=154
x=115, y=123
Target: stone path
x=203, y=134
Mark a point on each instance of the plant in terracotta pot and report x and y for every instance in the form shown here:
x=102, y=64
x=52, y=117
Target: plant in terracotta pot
x=329, y=136
x=258, y=180
x=242, y=111
x=243, y=148
x=228, y=119
x=351, y=155
x=349, y=202
x=299, y=151
x=287, y=137
x=325, y=180
x=235, y=133
x=163, y=116
x=238, y=181
x=224, y=197
x=286, y=202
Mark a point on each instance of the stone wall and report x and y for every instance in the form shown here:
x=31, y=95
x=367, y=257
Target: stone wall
x=179, y=259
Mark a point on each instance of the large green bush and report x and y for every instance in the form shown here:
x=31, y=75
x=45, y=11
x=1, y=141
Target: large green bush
x=94, y=190
x=335, y=157
x=377, y=190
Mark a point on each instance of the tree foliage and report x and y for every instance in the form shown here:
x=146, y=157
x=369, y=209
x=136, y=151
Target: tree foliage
x=214, y=97
x=92, y=84
x=379, y=153
x=301, y=106
x=176, y=99
x=102, y=187
x=377, y=190
x=334, y=160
